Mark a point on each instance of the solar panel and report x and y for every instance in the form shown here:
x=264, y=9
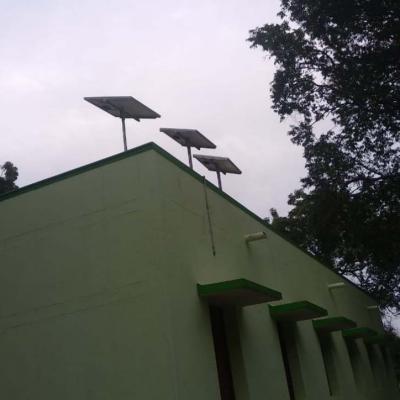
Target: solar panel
x=123, y=107
x=218, y=164
x=189, y=138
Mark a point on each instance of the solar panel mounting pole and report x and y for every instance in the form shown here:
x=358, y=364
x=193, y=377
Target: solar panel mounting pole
x=219, y=178
x=190, y=157
x=124, y=133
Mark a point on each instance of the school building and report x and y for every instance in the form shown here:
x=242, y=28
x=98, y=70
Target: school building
x=135, y=278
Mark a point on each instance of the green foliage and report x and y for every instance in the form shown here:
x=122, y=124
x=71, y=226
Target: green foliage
x=394, y=350
x=338, y=75
x=8, y=176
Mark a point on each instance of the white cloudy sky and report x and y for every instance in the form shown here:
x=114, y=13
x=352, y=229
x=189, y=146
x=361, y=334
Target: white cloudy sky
x=187, y=60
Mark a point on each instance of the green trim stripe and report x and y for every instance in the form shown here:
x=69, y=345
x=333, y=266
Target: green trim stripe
x=77, y=171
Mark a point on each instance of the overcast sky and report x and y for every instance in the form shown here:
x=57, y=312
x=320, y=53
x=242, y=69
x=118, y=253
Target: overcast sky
x=187, y=60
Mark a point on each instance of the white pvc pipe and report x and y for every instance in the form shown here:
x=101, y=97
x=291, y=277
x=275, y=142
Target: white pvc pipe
x=337, y=285
x=251, y=237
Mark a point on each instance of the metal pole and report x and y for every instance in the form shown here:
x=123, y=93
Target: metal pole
x=124, y=134
x=219, y=179
x=190, y=157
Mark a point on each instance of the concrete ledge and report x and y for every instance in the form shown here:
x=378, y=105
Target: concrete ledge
x=297, y=311
x=238, y=292
x=356, y=333
x=377, y=339
x=326, y=325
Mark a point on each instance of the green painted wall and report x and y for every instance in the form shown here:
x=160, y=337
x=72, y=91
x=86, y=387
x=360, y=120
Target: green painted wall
x=98, y=295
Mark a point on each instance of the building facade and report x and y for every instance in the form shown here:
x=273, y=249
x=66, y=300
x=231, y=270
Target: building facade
x=131, y=278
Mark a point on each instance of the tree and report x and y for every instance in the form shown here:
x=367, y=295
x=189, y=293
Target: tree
x=338, y=76
x=8, y=176
x=394, y=341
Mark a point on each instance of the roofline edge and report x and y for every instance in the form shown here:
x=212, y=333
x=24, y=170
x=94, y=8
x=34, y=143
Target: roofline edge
x=153, y=146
